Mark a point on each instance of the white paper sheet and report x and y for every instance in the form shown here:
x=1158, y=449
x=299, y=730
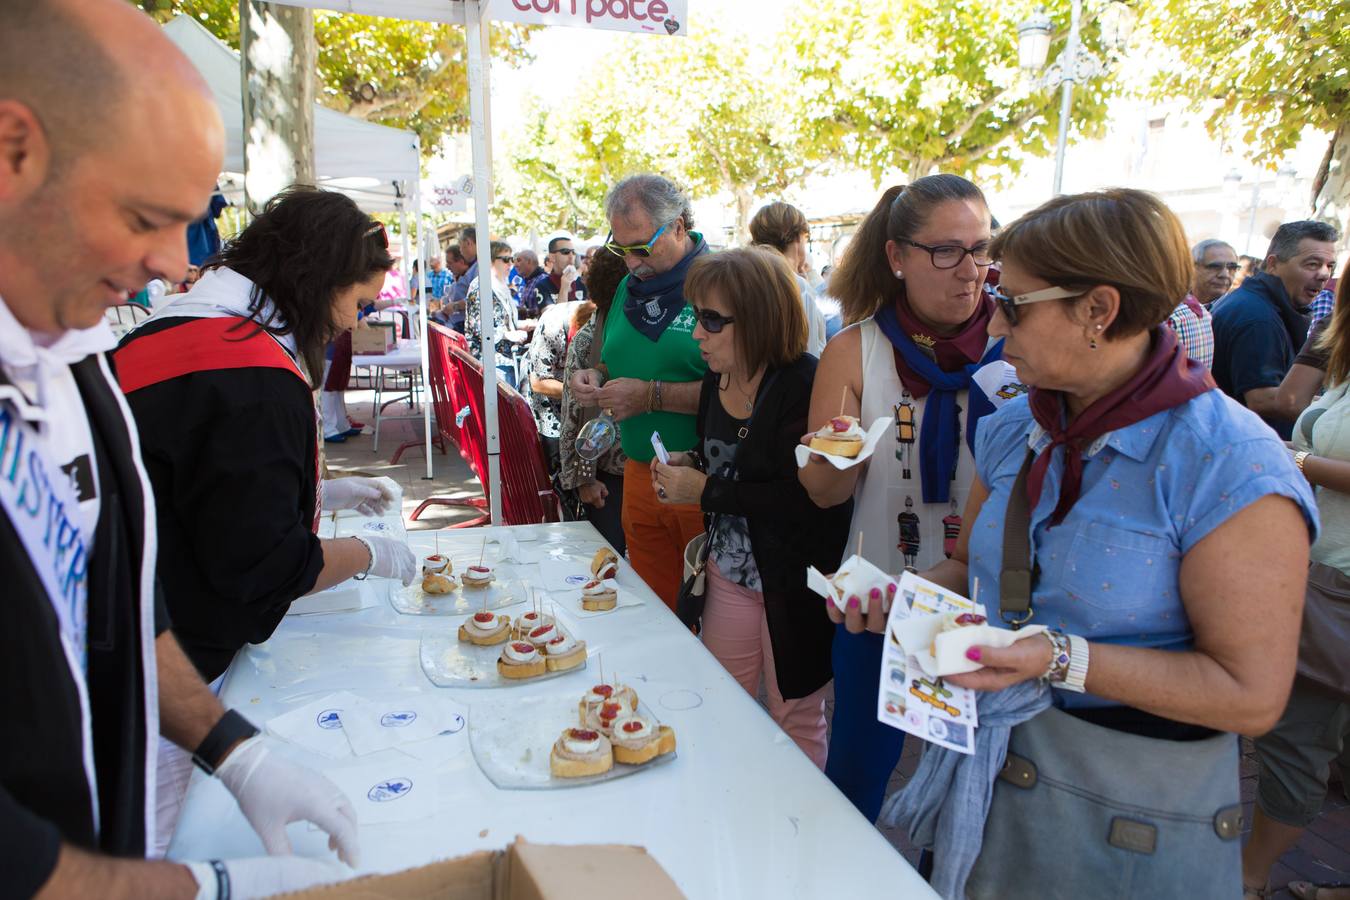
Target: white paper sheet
x=399, y=790
x=385, y=723
x=316, y=726
x=874, y=434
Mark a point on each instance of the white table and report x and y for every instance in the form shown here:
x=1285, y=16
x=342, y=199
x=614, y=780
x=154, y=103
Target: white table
x=740, y=814
x=405, y=357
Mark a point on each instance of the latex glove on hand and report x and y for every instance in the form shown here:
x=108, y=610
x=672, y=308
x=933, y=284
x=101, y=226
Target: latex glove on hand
x=273, y=792
x=390, y=558
x=368, y=496
x=264, y=876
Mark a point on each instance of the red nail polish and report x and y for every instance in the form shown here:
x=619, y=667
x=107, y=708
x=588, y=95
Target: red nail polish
x=973, y=654
x=891, y=588
x=853, y=602
x=875, y=593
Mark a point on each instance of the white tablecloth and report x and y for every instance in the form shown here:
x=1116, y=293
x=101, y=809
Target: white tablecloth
x=741, y=813
x=406, y=355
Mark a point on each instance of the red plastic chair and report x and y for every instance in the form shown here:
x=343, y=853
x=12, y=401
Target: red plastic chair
x=443, y=389
x=527, y=493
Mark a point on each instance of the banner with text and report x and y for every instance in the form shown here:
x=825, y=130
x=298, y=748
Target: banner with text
x=670, y=17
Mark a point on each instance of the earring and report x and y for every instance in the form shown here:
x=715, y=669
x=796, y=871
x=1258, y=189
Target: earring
x=899, y=274
x=1092, y=344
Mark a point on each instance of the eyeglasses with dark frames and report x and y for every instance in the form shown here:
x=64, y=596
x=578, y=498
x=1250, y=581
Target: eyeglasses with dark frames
x=1222, y=266
x=712, y=321
x=1008, y=304
x=949, y=256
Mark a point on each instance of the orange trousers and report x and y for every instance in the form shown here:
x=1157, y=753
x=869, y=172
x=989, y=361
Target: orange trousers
x=656, y=532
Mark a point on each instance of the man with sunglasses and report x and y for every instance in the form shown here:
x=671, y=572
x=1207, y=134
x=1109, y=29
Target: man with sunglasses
x=563, y=280
x=650, y=369
x=1216, y=264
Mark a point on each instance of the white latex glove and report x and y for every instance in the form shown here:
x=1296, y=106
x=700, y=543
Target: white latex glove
x=263, y=876
x=368, y=496
x=390, y=558
x=273, y=792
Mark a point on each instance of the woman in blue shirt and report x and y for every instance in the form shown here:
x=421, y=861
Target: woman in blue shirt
x=1169, y=536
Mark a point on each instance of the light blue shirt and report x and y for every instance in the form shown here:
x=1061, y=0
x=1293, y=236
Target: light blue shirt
x=1151, y=491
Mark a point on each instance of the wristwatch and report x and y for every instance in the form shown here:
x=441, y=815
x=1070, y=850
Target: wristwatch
x=1299, y=458
x=230, y=730
x=1075, y=679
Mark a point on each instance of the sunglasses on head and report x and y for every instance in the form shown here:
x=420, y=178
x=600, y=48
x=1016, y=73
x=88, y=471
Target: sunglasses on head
x=378, y=228
x=712, y=321
x=1008, y=304
x=640, y=250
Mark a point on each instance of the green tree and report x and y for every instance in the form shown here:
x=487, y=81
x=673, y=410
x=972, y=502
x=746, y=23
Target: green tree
x=393, y=72
x=925, y=85
x=705, y=110
x=1275, y=66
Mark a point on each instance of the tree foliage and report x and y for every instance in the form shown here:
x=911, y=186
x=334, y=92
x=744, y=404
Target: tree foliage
x=929, y=84
x=393, y=72
x=705, y=110
x=1275, y=66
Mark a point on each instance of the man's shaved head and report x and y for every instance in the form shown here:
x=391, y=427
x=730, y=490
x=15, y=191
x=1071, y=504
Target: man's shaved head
x=51, y=63
x=110, y=143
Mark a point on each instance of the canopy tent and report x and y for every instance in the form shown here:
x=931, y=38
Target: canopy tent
x=377, y=166
x=667, y=17
x=374, y=164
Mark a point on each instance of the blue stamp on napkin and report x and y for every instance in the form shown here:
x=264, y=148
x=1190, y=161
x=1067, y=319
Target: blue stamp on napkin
x=390, y=789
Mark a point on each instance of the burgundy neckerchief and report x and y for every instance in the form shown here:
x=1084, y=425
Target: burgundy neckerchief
x=951, y=353
x=1167, y=379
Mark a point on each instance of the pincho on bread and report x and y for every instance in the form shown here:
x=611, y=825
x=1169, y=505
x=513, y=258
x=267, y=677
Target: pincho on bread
x=579, y=752
x=856, y=579
x=604, y=693
x=953, y=621
x=485, y=628
x=564, y=652
x=605, y=564
x=527, y=622
x=436, y=564
x=841, y=436
x=600, y=596
x=520, y=659
x=477, y=576
x=437, y=583
x=637, y=740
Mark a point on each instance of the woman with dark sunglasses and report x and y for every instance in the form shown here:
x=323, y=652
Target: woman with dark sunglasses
x=912, y=287
x=1160, y=532
x=763, y=529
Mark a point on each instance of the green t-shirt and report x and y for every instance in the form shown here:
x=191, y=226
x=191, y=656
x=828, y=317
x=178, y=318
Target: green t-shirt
x=674, y=357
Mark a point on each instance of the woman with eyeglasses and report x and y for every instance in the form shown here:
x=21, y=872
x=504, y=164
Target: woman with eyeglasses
x=511, y=336
x=912, y=287
x=221, y=382
x=1160, y=532
x=759, y=617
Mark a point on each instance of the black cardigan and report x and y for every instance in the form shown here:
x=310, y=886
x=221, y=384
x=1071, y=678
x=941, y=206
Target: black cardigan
x=788, y=532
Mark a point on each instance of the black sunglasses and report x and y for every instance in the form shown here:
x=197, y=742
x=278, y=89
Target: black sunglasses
x=712, y=321
x=565, y=251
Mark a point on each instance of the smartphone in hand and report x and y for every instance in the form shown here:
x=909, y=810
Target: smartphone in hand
x=660, y=448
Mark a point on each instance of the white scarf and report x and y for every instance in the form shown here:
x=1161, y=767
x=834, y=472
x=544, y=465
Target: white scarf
x=217, y=294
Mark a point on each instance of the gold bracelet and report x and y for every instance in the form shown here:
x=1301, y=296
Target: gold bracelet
x=1299, y=458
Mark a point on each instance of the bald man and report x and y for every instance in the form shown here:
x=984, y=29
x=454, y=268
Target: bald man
x=109, y=146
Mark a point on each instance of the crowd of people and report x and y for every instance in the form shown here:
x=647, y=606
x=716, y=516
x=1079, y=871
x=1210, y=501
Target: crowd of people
x=1155, y=414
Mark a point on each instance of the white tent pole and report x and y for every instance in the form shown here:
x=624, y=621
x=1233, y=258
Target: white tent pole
x=476, y=28
x=424, y=338
x=405, y=263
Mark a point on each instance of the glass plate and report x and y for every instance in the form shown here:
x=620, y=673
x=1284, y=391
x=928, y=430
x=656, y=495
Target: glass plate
x=505, y=590
x=511, y=741
x=449, y=662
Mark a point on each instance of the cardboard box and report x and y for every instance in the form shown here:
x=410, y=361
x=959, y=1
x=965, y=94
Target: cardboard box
x=522, y=871
x=376, y=337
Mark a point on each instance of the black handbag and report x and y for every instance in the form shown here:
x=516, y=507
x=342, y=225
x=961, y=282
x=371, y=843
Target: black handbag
x=694, y=591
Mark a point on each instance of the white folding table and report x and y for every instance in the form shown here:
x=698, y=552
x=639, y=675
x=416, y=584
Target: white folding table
x=741, y=813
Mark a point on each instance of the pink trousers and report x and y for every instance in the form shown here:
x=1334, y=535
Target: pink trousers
x=736, y=631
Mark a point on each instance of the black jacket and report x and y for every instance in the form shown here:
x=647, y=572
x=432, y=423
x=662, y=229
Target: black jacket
x=231, y=456
x=44, y=791
x=788, y=532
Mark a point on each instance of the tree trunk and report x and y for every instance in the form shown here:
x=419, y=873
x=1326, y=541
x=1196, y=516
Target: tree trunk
x=1331, y=186
x=279, y=57
x=921, y=166
x=745, y=204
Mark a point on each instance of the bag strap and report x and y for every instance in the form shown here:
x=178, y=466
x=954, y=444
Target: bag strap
x=744, y=433
x=593, y=358
x=1017, y=578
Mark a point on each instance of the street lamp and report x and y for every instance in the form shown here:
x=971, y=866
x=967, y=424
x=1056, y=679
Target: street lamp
x=1075, y=62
